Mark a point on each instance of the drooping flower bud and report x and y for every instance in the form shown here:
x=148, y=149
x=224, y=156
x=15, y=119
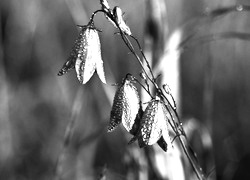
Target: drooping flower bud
x=126, y=105
x=154, y=125
x=117, y=12
x=85, y=56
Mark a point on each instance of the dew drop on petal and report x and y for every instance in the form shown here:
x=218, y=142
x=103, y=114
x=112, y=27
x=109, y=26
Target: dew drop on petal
x=150, y=123
x=239, y=7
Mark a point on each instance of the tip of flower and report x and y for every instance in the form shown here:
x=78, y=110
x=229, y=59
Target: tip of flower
x=162, y=143
x=113, y=123
x=100, y=70
x=103, y=80
x=62, y=72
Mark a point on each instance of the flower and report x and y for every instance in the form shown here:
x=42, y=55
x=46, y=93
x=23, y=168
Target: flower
x=85, y=56
x=154, y=125
x=126, y=105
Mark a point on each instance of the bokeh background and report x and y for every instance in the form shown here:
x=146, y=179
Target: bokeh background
x=37, y=107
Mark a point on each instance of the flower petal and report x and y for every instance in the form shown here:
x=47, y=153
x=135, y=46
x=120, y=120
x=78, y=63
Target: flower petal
x=165, y=126
x=117, y=110
x=154, y=125
x=150, y=124
x=75, y=51
x=162, y=143
x=89, y=57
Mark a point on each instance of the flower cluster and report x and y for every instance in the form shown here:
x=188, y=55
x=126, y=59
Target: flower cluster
x=150, y=126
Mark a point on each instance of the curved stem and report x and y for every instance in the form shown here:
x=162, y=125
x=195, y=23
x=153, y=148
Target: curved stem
x=93, y=15
x=131, y=48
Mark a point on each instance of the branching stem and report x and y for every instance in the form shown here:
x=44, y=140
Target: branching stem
x=174, y=122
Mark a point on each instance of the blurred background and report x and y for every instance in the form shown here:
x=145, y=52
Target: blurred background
x=53, y=127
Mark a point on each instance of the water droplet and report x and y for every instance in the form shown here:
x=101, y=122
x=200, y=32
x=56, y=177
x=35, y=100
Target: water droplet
x=143, y=75
x=239, y=7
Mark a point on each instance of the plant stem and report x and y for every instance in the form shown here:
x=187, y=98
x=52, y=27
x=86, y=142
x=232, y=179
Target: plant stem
x=176, y=124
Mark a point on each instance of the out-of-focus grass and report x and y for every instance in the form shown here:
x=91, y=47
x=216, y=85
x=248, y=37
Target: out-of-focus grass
x=221, y=68
x=36, y=104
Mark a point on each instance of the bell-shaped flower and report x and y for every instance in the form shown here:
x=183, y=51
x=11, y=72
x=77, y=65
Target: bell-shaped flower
x=154, y=125
x=126, y=105
x=85, y=56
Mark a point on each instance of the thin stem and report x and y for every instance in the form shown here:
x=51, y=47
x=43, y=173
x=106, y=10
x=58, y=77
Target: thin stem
x=131, y=48
x=195, y=166
x=93, y=15
x=143, y=55
x=197, y=170
x=147, y=90
x=128, y=44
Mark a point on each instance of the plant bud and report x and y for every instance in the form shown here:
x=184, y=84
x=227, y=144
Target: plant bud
x=105, y=5
x=126, y=106
x=117, y=12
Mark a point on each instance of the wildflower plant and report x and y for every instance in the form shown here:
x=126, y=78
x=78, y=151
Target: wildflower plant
x=150, y=126
x=85, y=56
